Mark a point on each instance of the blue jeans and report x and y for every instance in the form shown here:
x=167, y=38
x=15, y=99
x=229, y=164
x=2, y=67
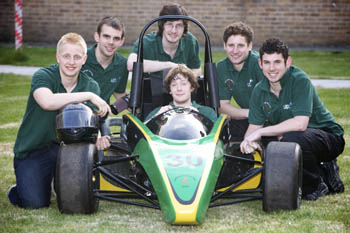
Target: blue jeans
x=34, y=174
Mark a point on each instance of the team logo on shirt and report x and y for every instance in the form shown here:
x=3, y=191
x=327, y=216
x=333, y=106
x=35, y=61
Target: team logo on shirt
x=88, y=73
x=250, y=83
x=287, y=106
x=114, y=80
x=229, y=83
x=267, y=107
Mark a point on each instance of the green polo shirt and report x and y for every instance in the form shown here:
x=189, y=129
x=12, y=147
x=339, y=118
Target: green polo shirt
x=204, y=110
x=298, y=97
x=112, y=79
x=238, y=85
x=187, y=52
x=38, y=126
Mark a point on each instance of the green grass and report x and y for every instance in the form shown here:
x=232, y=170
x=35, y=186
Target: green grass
x=38, y=56
x=318, y=64
x=33, y=56
x=329, y=214
x=323, y=64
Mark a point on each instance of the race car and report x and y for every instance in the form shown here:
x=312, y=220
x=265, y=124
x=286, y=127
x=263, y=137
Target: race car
x=179, y=162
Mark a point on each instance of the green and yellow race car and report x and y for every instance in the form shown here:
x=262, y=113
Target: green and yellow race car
x=179, y=162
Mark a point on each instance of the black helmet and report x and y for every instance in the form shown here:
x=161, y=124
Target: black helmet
x=77, y=123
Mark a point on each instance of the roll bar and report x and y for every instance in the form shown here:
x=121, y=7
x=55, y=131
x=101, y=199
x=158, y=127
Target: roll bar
x=210, y=76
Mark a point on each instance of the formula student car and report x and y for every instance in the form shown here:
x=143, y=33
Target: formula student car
x=179, y=162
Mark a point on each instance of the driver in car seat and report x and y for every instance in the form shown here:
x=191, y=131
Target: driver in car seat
x=180, y=82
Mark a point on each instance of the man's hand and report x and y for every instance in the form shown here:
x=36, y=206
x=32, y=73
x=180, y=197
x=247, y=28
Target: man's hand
x=249, y=147
x=103, y=143
x=250, y=143
x=163, y=109
x=103, y=107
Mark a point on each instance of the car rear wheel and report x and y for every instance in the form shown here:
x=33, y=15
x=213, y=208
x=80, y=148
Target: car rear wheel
x=282, y=176
x=76, y=179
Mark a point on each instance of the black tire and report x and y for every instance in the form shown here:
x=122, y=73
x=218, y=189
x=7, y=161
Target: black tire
x=75, y=178
x=282, y=176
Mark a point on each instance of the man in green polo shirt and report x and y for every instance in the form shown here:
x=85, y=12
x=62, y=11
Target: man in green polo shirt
x=106, y=66
x=238, y=74
x=36, y=147
x=172, y=44
x=286, y=102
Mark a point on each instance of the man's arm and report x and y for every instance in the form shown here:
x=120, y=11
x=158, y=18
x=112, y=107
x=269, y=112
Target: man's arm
x=131, y=59
x=297, y=123
x=117, y=96
x=150, y=66
x=50, y=101
x=197, y=72
x=233, y=112
x=255, y=132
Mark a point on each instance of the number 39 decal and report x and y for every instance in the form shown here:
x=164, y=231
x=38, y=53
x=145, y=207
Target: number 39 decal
x=189, y=160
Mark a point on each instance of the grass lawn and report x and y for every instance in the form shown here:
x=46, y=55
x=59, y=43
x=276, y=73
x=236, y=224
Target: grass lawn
x=318, y=64
x=329, y=214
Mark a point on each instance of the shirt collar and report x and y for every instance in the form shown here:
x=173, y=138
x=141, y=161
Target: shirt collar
x=194, y=104
x=286, y=77
x=92, y=54
x=160, y=44
x=245, y=65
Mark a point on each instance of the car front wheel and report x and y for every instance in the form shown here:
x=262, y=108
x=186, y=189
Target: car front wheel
x=76, y=179
x=282, y=176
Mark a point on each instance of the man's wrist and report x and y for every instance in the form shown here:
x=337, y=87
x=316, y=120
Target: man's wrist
x=91, y=96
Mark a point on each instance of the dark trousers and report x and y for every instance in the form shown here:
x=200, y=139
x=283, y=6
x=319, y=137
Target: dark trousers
x=238, y=129
x=317, y=146
x=34, y=174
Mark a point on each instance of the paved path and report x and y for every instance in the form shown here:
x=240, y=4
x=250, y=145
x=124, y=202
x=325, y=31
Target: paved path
x=330, y=83
x=20, y=70
x=24, y=70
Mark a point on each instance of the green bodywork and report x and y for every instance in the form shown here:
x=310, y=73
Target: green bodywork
x=183, y=172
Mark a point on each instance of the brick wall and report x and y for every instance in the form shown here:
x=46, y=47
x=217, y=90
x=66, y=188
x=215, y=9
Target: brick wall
x=298, y=22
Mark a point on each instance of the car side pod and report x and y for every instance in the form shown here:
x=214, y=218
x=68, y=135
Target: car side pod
x=182, y=172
